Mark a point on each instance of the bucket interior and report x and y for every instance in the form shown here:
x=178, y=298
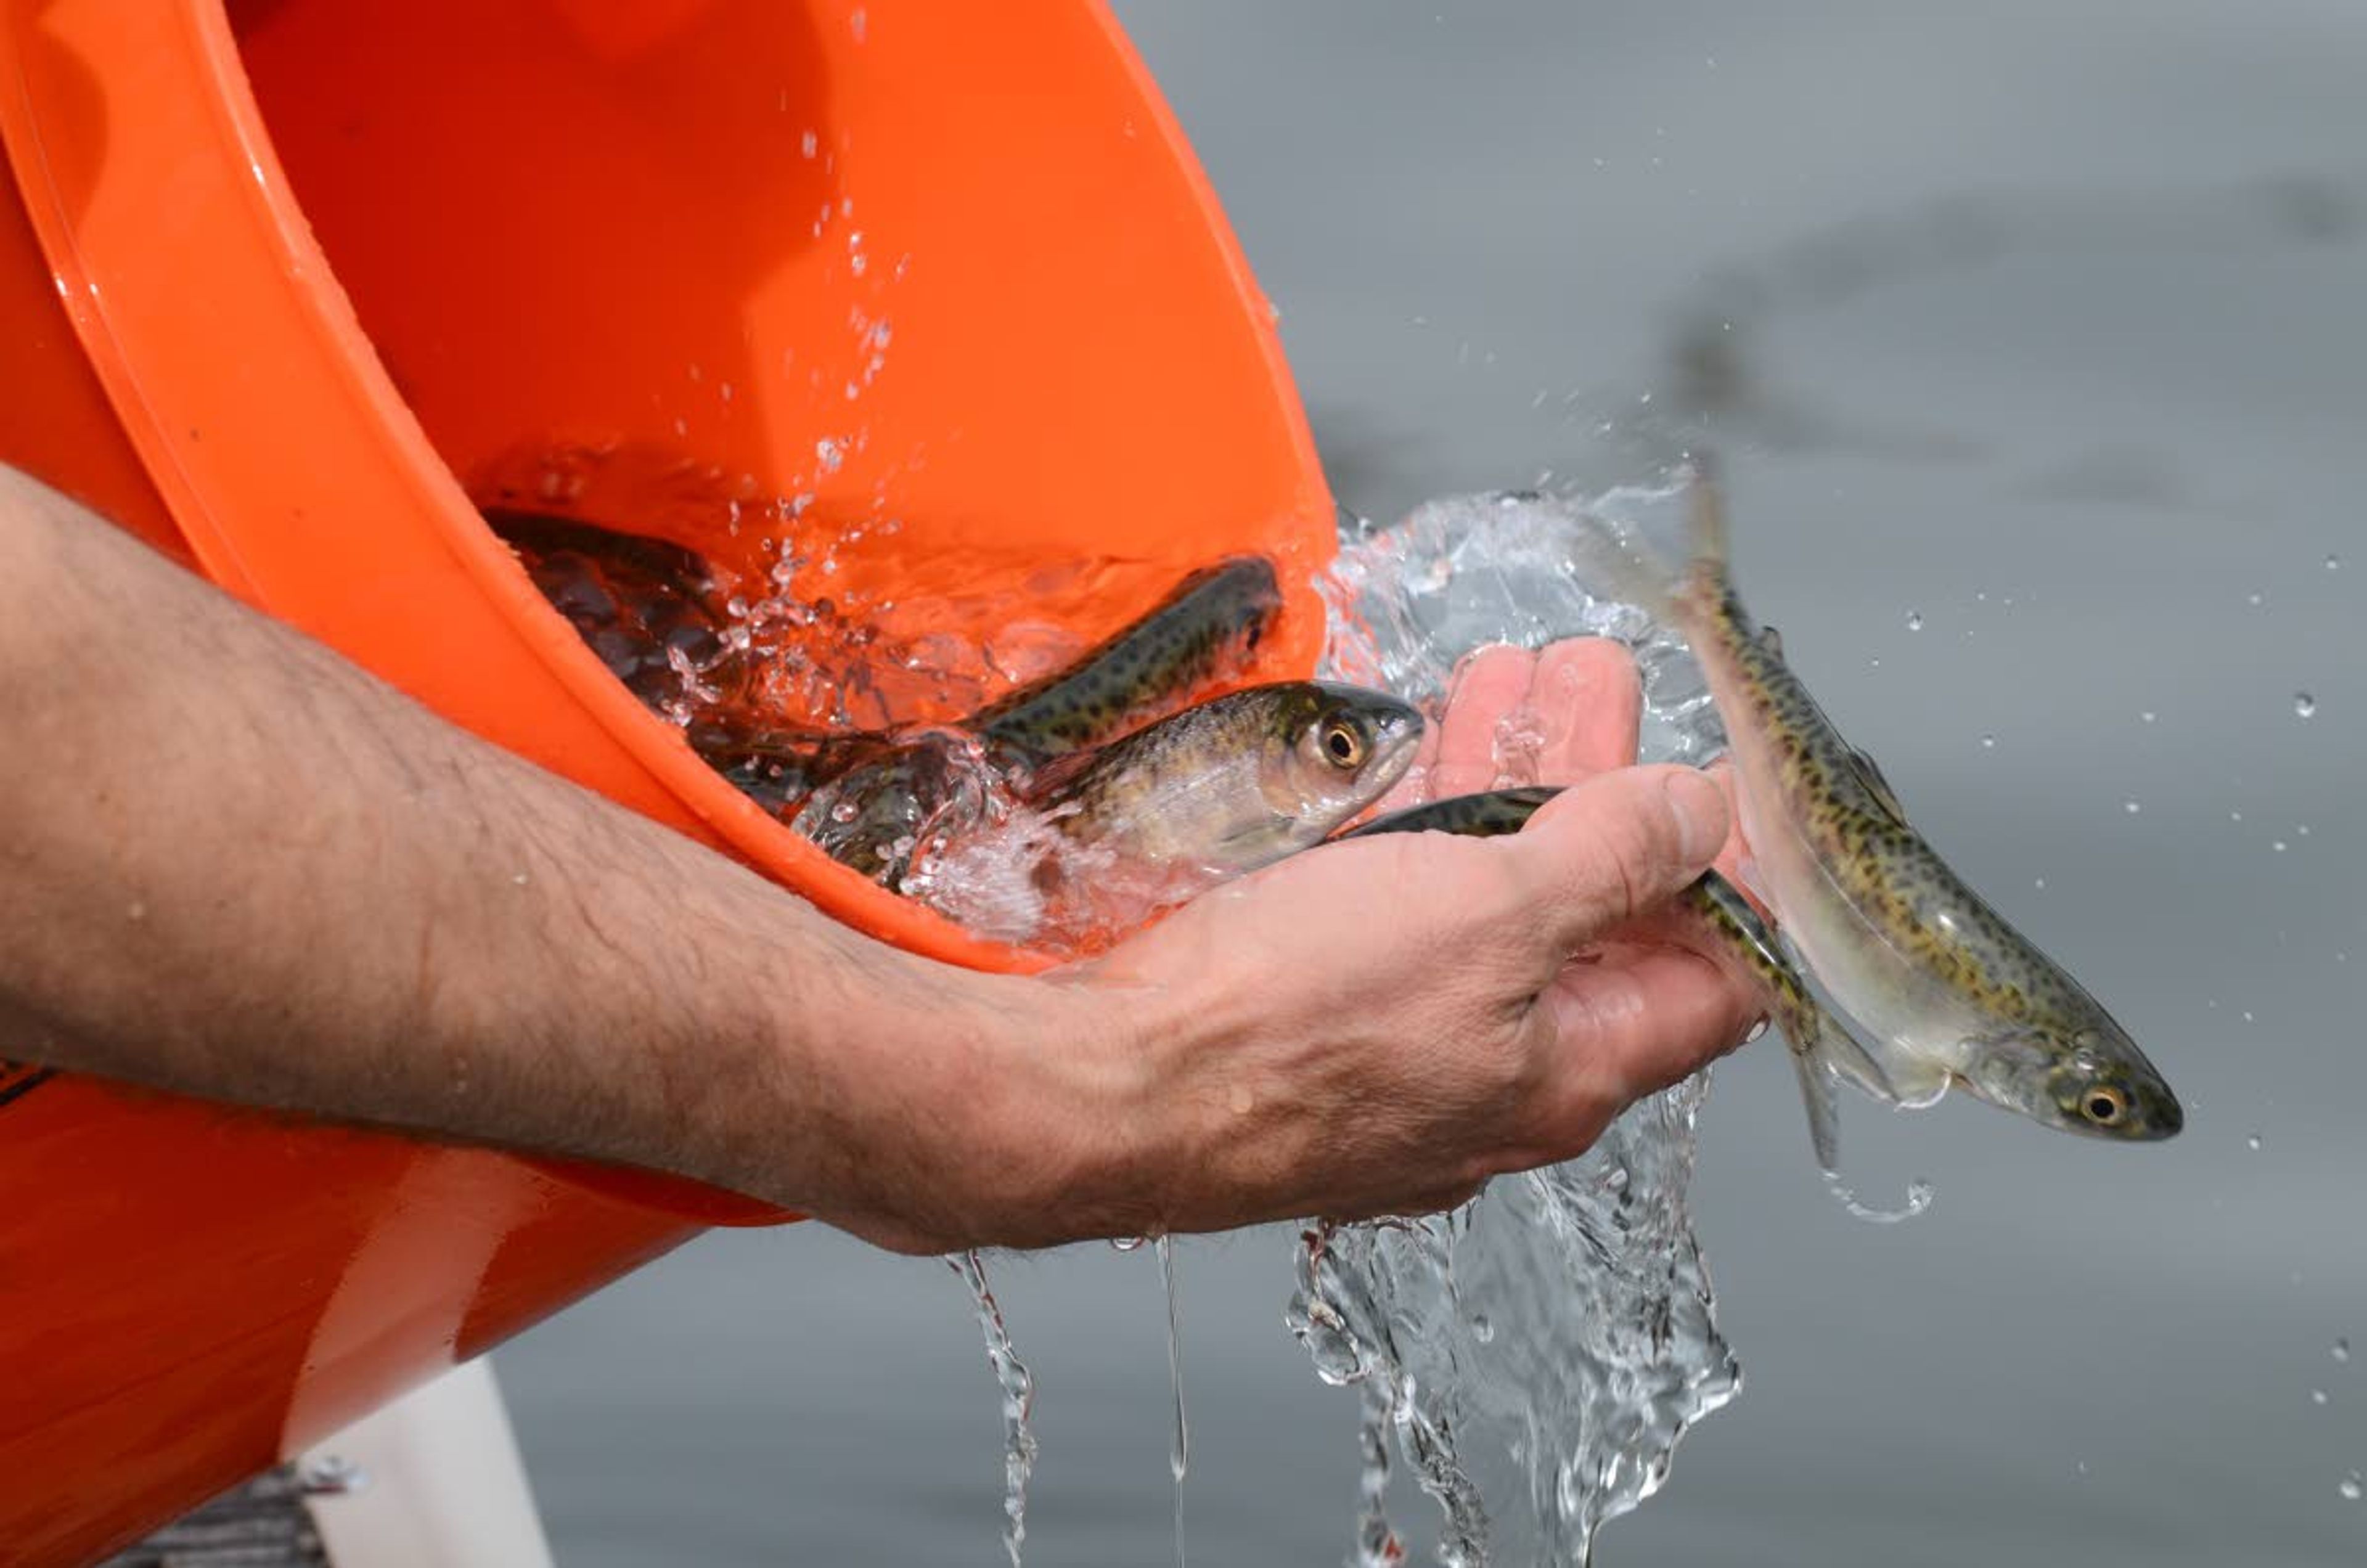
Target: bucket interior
x=932, y=301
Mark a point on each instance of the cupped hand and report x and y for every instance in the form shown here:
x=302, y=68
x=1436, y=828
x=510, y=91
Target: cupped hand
x=1380, y=1025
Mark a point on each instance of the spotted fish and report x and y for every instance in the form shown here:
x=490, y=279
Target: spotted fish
x=1204, y=629
x=1931, y=986
x=642, y=603
x=645, y=606
x=1235, y=782
x=874, y=796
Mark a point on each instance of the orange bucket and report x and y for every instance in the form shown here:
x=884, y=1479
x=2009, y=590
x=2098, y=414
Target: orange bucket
x=284, y=289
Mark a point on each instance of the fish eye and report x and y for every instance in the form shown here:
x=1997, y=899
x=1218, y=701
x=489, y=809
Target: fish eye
x=2104, y=1105
x=1342, y=743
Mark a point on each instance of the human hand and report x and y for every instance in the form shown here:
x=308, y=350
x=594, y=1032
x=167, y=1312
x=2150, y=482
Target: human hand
x=1380, y=1025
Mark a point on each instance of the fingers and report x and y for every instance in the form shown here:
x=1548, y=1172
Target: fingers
x=1631, y=1025
x=1590, y=704
x=1611, y=847
x=1731, y=859
x=1489, y=686
x=1516, y=717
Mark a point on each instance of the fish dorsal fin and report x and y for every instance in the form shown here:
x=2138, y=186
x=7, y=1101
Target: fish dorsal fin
x=1771, y=642
x=1869, y=774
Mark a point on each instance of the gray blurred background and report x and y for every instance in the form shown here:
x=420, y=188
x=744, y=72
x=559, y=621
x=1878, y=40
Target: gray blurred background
x=2041, y=321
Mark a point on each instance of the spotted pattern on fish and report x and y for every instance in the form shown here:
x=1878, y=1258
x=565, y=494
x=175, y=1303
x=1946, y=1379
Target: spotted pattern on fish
x=1885, y=866
x=1206, y=627
x=1118, y=787
x=638, y=602
x=636, y=599
x=1740, y=932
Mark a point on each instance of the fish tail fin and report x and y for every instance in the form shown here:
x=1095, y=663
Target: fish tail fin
x=1705, y=526
x=1632, y=570
x=1705, y=529
x=1623, y=565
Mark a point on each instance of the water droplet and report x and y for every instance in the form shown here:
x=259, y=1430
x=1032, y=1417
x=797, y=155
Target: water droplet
x=2081, y=1467
x=1018, y=1386
x=2133, y=807
x=2342, y=1349
x=2278, y=845
x=2304, y=706
x=810, y=144
x=2353, y=1488
x=2148, y=716
x=1988, y=742
x=2253, y=1143
x=2255, y=600
x=1127, y=1243
x=2317, y=1396
x=2334, y=563
x=1482, y=1329
x=2041, y=883
x=1914, y=620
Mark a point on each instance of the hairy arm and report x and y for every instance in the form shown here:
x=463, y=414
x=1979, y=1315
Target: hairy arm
x=235, y=865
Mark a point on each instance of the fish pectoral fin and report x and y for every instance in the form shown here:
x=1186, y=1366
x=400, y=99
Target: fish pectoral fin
x=1846, y=1058
x=1869, y=774
x=1919, y=1085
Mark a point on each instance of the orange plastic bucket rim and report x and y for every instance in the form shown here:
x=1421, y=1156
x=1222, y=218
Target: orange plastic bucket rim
x=256, y=260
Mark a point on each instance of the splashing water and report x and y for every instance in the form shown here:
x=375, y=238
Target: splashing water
x=1539, y=1353
x=1376, y=1544
x=1018, y=1386
x=1407, y=601
x=1605, y=1344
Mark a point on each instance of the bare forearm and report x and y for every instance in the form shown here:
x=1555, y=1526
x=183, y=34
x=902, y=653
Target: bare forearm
x=235, y=865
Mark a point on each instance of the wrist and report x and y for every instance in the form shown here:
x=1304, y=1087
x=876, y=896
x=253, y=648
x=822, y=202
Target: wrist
x=924, y=1107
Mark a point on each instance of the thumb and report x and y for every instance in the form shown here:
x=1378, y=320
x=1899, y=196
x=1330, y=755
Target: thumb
x=1614, y=847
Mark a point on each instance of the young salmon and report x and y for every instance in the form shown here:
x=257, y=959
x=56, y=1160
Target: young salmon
x=1204, y=630
x=1235, y=782
x=873, y=797
x=1931, y=986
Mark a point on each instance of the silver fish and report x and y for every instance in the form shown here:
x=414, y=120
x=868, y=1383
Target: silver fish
x=1236, y=783
x=1928, y=984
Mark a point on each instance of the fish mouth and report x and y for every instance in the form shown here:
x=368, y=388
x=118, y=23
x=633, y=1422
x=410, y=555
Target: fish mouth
x=1396, y=739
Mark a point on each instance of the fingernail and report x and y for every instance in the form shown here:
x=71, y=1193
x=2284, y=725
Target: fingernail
x=1700, y=806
